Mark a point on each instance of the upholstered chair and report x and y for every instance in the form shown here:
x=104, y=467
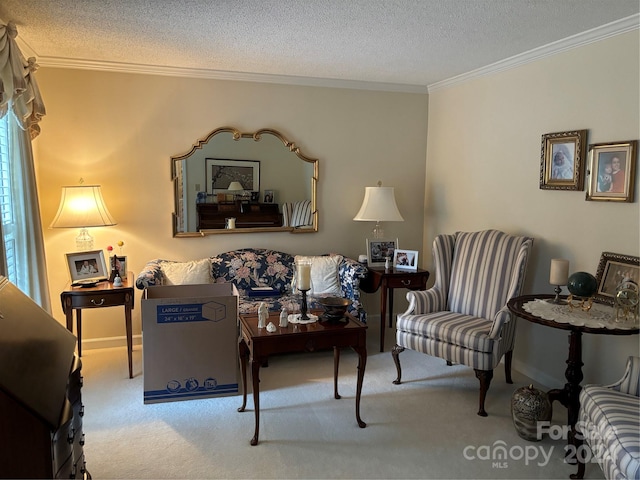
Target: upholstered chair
x=609, y=421
x=464, y=317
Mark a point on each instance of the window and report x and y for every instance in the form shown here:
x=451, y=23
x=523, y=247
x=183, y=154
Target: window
x=6, y=205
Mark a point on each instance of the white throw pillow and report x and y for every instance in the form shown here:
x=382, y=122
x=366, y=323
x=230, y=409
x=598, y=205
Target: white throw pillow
x=187, y=273
x=324, y=274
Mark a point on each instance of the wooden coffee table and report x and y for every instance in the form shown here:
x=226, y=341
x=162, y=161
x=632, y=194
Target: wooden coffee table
x=258, y=345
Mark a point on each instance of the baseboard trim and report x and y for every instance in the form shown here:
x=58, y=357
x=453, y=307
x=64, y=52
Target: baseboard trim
x=545, y=380
x=109, y=342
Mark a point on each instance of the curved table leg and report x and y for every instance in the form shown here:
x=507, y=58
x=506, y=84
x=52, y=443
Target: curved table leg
x=362, y=363
x=255, y=373
x=244, y=354
x=336, y=363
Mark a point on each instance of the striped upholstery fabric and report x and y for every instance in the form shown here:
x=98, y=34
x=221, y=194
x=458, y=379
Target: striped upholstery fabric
x=609, y=420
x=463, y=318
x=297, y=214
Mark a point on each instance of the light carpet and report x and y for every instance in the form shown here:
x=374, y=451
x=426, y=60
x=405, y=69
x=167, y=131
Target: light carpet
x=426, y=427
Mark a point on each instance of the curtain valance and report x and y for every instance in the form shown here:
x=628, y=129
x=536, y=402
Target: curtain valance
x=19, y=91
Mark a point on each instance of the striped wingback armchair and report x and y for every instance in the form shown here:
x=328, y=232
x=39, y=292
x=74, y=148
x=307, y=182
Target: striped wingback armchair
x=609, y=421
x=464, y=317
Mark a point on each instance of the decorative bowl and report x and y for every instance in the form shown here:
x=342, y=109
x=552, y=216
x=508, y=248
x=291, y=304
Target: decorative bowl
x=334, y=307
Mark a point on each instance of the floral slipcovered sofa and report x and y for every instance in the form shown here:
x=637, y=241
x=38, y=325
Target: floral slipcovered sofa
x=331, y=275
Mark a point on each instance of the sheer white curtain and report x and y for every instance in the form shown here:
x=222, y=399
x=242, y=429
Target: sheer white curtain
x=21, y=102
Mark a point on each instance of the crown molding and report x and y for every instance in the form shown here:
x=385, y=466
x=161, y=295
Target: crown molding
x=590, y=36
x=594, y=35
x=60, y=62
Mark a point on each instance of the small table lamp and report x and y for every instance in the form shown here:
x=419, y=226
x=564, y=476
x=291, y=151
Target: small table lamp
x=82, y=207
x=379, y=205
x=559, y=275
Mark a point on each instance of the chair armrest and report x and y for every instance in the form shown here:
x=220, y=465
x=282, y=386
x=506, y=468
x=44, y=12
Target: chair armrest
x=151, y=275
x=426, y=301
x=503, y=317
x=630, y=382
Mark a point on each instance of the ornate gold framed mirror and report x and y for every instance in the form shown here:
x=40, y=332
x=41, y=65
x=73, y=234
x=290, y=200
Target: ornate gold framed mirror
x=237, y=182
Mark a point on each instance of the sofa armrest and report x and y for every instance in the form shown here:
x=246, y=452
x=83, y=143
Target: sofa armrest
x=350, y=273
x=151, y=275
x=630, y=382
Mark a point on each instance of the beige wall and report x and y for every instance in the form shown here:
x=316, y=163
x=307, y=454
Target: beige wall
x=119, y=130
x=483, y=164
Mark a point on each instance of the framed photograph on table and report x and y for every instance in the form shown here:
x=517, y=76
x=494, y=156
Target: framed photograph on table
x=378, y=250
x=612, y=168
x=615, y=269
x=562, y=160
x=87, y=268
x=405, y=260
x=121, y=266
x=220, y=173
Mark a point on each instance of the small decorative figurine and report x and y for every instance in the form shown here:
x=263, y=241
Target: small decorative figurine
x=387, y=263
x=284, y=318
x=271, y=327
x=263, y=314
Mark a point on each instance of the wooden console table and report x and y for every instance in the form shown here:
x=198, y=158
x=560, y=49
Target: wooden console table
x=258, y=344
x=104, y=294
x=389, y=279
x=247, y=215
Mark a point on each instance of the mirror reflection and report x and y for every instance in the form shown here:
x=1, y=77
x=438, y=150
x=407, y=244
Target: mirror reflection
x=235, y=182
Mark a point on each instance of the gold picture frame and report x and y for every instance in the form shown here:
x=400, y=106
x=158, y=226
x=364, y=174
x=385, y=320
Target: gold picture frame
x=562, y=160
x=612, y=171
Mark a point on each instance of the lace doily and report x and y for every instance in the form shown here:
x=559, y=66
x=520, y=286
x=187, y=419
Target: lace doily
x=295, y=318
x=600, y=316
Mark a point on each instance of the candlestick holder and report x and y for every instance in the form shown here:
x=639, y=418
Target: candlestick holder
x=557, y=300
x=303, y=305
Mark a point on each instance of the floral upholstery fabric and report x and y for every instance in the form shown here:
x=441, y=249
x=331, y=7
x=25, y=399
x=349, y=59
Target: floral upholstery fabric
x=251, y=267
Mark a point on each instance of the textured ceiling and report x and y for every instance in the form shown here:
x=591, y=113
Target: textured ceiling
x=404, y=42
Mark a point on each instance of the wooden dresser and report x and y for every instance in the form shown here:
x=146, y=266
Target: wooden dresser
x=213, y=215
x=40, y=393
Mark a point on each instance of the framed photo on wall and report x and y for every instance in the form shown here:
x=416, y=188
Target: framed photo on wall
x=562, y=160
x=379, y=249
x=613, y=270
x=405, y=259
x=220, y=173
x=87, y=268
x=612, y=168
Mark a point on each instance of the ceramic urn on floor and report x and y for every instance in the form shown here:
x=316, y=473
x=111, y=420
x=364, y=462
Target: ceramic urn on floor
x=528, y=407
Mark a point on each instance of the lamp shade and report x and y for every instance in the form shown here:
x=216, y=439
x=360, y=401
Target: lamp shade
x=235, y=187
x=379, y=205
x=82, y=206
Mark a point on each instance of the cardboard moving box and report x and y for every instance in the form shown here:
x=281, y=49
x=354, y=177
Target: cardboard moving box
x=189, y=342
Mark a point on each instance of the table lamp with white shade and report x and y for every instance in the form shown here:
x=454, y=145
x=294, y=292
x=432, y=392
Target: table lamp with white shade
x=379, y=205
x=82, y=207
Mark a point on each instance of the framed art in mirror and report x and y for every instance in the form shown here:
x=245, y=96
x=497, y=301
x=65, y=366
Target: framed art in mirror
x=562, y=160
x=612, y=168
x=378, y=250
x=614, y=270
x=220, y=174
